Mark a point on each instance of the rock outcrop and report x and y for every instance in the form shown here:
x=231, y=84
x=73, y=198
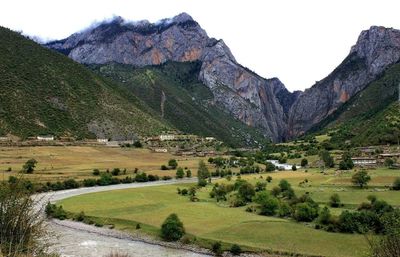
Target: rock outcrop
x=376, y=49
x=242, y=93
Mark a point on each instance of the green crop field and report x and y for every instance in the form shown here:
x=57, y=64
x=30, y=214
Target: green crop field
x=209, y=220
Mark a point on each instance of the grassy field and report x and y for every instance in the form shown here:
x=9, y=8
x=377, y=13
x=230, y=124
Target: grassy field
x=59, y=163
x=209, y=220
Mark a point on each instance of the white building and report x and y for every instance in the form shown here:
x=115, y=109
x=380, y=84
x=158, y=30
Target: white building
x=167, y=137
x=45, y=138
x=362, y=161
x=210, y=138
x=282, y=166
x=102, y=140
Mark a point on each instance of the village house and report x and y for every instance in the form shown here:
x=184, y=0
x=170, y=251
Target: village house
x=167, y=137
x=160, y=150
x=282, y=166
x=102, y=140
x=363, y=161
x=45, y=138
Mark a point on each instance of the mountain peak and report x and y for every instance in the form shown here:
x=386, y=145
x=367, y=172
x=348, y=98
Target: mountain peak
x=182, y=17
x=380, y=46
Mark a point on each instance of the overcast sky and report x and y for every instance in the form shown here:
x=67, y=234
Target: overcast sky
x=297, y=41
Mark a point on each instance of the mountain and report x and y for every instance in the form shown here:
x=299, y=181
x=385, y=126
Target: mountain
x=376, y=50
x=371, y=117
x=238, y=91
x=44, y=92
x=174, y=93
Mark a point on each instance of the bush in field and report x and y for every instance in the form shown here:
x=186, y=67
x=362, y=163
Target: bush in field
x=269, y=167
x=246, y=191
x=173, y=164
x=294, y=168
x=327, y=159
x=304, y=162
x=305, y=212
x=141, y=177
x=188, y=173
x=396, y=184
x=269, y=204
x=202, y=174
x=324, y=216
x=89, y=182
x=334, y=201
x=70, y=184
x=180, y=173
x=389, y=162
x=347, y=162
x=172, y=229
x=360, y=178
x=260, y=186
x=217, y=248
x=29, y=166
x=235, y=249
x=96, y=172
x=269, y=179
x=164, y=167
x=115, y=172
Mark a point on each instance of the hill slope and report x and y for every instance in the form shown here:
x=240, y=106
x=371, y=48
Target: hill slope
x=370, y=117
x=43, y=92
x=173, y=91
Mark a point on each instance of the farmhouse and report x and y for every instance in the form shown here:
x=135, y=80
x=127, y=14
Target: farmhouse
x=168, y=137
x=102, y=140
x=389, y=155
x=160, y=150
x=282, y=166
x=363, y=161
x=45, y=138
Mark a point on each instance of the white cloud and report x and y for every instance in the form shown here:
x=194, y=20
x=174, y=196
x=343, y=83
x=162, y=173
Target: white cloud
x=298, y=41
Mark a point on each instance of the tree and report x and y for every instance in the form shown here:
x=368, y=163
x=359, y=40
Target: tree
x=269, y=204
x=396, y=184
x=246, y=191
x=387, y=245
x=347, y=162
x=305, y=212
x=269, y=179
x=202, y=174
x=334, y=201
x=389, y=162
x=294, y=168
x=137, y=144
x=172, y=229
x=188, y=173
x=173, y=163
x=304, y=162
x=29, y=166
x=269, y=166
x=361, y=178
x=327, y=159
x=180, y=173
x=324, y=216
x=284, y=185
x=260, y=186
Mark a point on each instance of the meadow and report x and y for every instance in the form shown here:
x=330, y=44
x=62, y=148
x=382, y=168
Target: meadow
x=57, y=163
x=208, y=220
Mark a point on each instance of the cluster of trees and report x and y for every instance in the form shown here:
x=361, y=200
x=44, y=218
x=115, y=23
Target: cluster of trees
x=181, y=173
x=104, y=180
x=172, y=164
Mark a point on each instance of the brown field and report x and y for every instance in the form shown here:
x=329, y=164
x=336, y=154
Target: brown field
x=78, y=162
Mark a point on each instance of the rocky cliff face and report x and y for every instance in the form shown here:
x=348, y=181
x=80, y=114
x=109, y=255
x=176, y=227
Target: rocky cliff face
x=242, y=93
x=376, y=49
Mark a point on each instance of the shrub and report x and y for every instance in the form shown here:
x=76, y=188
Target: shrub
x=105, y=179
x=80, y=216
x=347, y=162
x=184, y=191
x=70, y=184
x=304, y=162
x=164, y=167
x=269, y=179
x=172, y=229
x=324, y=216
x=89, y=182
x=334, y=201
x=202, y=183
x=188, y=173
x=260, y=186
x=246, y=191
x=396, y=184
x=284, y=185
x=96, y=172
x=166, y=178
x=115, y=172
x=268, y=203
x=305, y=212
x=137, y=144
x=54, y=211
x=217, y=248
x=235, y=249
x=141, y=177
x=294, y=168
x=138, y=226
x=151, y=177
x=269, y=167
